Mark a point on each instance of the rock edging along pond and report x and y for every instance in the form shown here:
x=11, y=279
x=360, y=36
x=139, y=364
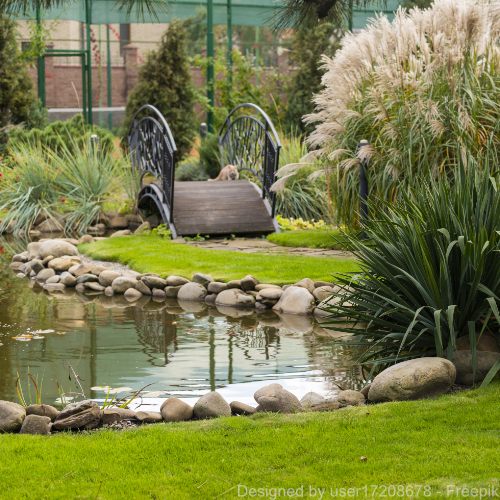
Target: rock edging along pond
x=410, y=380
x=54, y=264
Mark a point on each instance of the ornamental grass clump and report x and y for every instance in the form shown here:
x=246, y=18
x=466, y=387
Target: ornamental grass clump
x=424, y=90
x=29, y=188
x=430, y=272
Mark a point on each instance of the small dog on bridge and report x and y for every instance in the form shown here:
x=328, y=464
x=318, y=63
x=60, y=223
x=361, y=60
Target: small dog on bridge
x=228, y=173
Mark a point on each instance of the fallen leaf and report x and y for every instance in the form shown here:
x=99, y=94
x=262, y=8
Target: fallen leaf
x=364, y=459
x=61, y=333
x=174, y=322
x=43, y=331
x=232, y=334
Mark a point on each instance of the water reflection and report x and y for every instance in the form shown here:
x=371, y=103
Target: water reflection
x=187, y=348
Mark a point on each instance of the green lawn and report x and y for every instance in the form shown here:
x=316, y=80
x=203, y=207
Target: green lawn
x=312, y=238
x=157, y=255
x=452, y=440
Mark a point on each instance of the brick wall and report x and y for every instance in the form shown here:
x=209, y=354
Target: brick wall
x=63, y=83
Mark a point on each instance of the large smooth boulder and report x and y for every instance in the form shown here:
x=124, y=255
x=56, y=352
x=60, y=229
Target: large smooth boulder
x=233, y=284
x=249, y=283
x=42, y=411
x=36, y=265
x=238, y=408
x=124, y=232
x=35, y=424
x=216, y=287
x=154, y=282
x=192, y=291
x=68, y=279
x=273, y=398
x=122, y=284
x=132, y=294
x=34, y=249
x=45, y=274
x=322, y=293
x=12, y=416
x=82, y=415
x=211, y=405
x=462, y=361
x=202, y=279
x=106, y=278
x=87, y=278
x=50, y=226
x=149, y=417
x=61, y=264
x=311, y=399
x=270, y=294
x=57, y=248
x=176, y=281
x=81, y=269
x=484, y=342
x=352, y=398
x=296, y=300
x=143, y=288
x=175, y=410
x=235, y=298
x=123, y=412
x=172, y=291
x=414, y=379
x=118, y=223
x=86, y=238
x=306, y=283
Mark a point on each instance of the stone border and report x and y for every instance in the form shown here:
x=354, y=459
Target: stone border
x=55, y=264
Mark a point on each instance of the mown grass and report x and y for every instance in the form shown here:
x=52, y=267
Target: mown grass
x=157, y=255
x=312, y=238
x=451, y=440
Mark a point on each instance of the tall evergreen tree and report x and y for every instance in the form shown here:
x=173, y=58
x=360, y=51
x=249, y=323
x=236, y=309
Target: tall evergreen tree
x=165, y=82
x=308, y=47
x=18, y=100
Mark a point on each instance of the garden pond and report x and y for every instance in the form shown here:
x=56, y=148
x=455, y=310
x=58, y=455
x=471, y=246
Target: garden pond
x=183, y=349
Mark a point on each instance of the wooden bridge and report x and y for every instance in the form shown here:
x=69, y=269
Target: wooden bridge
x=247, y=139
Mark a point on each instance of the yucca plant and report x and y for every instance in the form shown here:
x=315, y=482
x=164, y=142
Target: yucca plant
x=430, y=272
x=88, y=179
x=29, y=188
x=423, y=89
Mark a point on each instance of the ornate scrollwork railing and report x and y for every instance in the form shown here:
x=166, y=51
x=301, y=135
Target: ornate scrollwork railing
x=153, y=151
x=251, y=143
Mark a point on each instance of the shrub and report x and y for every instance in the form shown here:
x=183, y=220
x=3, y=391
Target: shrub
x=166, y=83
x=430, y=271
x=190, y=169
x=308, y=46
x=208, y=149
x=424, y=90
x=63, y=134
x=241, y=88
x=18, y=101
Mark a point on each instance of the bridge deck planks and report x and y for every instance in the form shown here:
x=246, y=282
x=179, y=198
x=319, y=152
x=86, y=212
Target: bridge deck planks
x=220, y=207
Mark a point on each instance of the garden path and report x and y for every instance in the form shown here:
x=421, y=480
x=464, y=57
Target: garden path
x=257, y=245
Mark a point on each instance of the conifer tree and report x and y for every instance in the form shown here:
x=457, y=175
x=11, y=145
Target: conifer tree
x=18, y=100
x=165, y=82
x=308, y=47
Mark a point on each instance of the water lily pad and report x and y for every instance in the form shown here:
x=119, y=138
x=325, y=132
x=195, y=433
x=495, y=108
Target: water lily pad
x=100, y=388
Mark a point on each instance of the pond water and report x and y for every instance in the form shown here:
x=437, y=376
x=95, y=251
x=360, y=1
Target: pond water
x=183, y=349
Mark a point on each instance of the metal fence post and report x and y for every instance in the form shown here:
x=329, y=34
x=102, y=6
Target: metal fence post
x=363, y=184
